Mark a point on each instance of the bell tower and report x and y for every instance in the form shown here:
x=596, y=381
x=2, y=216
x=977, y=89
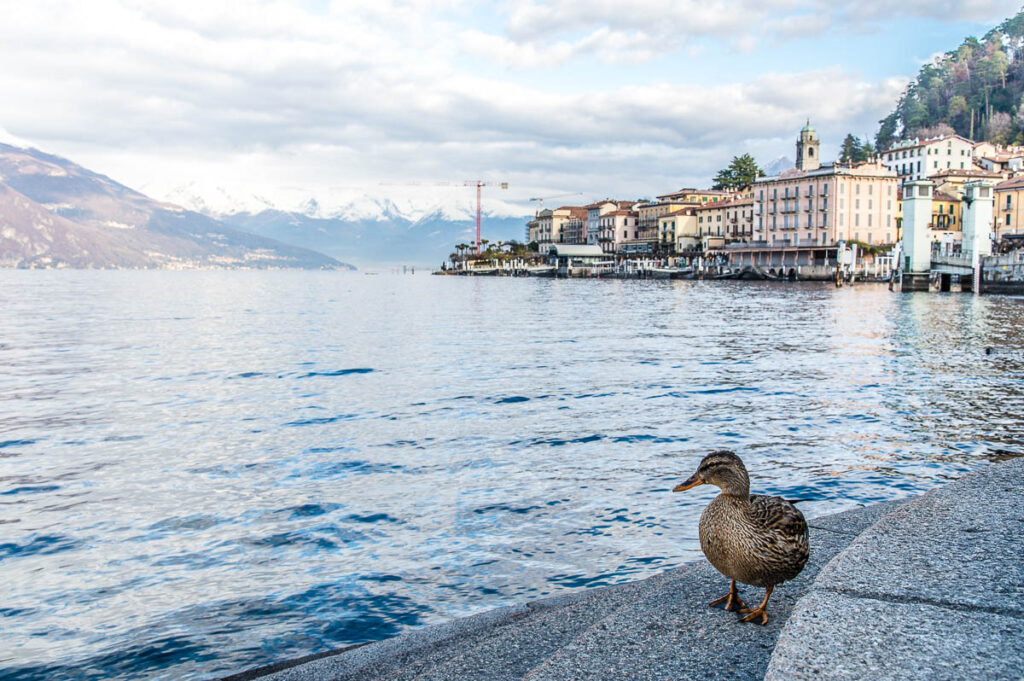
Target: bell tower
x=807, y=149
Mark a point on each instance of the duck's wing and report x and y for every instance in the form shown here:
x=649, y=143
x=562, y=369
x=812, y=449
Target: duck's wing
x=775, y=513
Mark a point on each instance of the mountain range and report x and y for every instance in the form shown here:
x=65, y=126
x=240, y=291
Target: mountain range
x=384, y=224
x=55, y=213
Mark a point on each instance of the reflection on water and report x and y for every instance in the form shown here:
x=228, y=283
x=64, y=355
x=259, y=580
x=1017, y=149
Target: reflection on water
x=202, y=472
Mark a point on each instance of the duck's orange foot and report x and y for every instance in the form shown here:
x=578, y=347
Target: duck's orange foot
x=732, y=599
x=754, y=614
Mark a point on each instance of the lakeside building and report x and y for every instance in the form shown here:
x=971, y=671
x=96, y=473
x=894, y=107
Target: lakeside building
x=594, y=213
x=920, y=159
x=649, y=238
x=555, y=226
x=678, y=230
x=801, y=213
x=952, y=181
x=1009, y=207
x=616, y=228
x=726, y=221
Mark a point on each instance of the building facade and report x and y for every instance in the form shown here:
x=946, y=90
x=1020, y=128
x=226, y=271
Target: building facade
x=618, y=227
x=1009, y=207
x=919, y=159
x=828, y=204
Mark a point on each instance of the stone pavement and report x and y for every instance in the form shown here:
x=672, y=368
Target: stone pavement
x=934, y=590
x=931, y=588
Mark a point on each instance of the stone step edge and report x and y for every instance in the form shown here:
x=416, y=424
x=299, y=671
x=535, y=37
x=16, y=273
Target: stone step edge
x=813, y=589
x=362, y=655
x=884, y=507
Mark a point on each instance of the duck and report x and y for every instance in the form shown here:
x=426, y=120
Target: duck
x=754, y=539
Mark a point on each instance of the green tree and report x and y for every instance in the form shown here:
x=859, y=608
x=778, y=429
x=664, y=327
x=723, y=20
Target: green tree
x=851, y=150
x=742, y=172
x=886, y=132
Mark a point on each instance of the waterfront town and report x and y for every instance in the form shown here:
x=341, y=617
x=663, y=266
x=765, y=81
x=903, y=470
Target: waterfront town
x=809, y=222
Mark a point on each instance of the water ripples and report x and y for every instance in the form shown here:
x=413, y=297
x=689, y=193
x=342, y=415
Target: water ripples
x=202, y=472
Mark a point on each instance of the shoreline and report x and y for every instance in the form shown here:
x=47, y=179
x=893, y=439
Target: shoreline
x=634, y=629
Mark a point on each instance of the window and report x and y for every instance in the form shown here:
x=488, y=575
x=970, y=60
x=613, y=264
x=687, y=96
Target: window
x=935, y=164
x=856, y=204
x=856, y=236
x=824, y=203
x=869, y=220
x=856, y=219
x=1007, y=219
x=869, y=237
x=858, y=189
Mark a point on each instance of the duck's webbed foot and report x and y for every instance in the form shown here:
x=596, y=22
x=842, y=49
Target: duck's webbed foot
x=732, y=599
x=759, y=611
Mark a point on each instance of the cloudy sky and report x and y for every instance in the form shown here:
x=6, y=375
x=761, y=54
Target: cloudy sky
x=604, y=97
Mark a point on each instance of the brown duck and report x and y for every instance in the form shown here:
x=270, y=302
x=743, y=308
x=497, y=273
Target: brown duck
x=750, y=538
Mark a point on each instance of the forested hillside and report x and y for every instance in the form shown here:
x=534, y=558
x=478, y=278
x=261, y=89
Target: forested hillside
x=975, y=91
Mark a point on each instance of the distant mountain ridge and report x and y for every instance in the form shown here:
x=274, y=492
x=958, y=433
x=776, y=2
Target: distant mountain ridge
x=55, y=213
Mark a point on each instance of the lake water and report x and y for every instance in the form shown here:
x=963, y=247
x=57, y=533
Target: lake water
x=202, y=472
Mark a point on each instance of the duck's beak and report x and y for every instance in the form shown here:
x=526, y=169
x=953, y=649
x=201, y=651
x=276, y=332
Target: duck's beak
x=689, y=484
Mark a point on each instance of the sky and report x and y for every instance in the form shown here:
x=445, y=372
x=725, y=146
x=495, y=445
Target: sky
x=561, y=99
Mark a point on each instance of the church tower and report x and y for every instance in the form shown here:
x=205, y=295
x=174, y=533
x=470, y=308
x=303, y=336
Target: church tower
x=807, y=149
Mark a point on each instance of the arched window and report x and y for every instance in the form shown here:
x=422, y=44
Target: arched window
x=810, y=151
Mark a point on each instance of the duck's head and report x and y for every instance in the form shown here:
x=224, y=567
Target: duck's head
x=724, y=470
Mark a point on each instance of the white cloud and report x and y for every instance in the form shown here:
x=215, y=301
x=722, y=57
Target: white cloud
x=269, y=95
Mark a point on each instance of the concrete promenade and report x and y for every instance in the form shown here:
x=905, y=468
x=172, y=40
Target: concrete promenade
x=930, y=588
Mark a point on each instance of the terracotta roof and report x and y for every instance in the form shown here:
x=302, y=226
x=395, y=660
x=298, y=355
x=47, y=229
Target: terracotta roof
x=1013, y=183
x=943, y=196
x=621, y=212
x=680, y=211
x=969, y=172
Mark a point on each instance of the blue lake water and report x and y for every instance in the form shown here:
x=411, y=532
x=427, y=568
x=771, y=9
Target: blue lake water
x=203, y=472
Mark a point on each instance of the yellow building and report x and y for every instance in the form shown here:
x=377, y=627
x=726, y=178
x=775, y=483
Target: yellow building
x=678, y=229
x=1009, y=207
x=649, y=215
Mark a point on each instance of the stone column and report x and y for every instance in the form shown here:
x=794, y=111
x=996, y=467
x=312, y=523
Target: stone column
x=977, y=226
x=917, y=246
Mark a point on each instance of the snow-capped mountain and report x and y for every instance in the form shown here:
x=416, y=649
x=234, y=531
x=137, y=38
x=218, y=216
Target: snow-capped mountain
x=778, y=166
x=370, y=225
x=410, y=202
x=56, y=213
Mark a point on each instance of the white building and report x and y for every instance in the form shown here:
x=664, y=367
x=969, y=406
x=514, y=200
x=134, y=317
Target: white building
x=919, y=159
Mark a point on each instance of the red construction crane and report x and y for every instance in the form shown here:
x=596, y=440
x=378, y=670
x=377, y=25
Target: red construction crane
x=479, y=184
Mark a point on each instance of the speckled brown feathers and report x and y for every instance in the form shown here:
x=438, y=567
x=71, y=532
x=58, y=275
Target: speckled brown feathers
x=760, y=540
x=750, y=538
